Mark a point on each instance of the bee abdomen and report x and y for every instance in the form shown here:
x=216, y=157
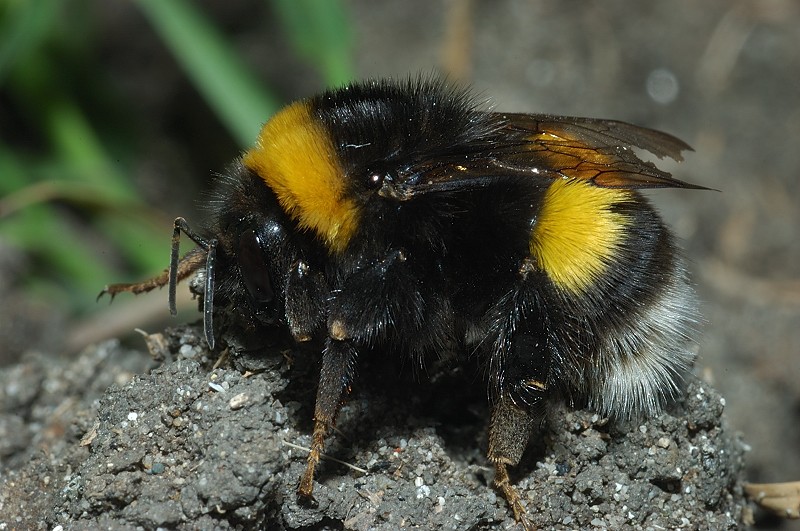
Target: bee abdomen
x=623, y=308
x=640, y=316
x=642, y=362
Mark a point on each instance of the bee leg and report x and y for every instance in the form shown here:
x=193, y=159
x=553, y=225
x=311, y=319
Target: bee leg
x=306, y=294
x=521, y=365
x=191, y=262
x=360, y=312
x=376, y=300
x=509, y=432
x=336, y=375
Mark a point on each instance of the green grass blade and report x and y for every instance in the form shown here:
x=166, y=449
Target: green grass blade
x=23, y=27
x=319, y=30
x=226, y=83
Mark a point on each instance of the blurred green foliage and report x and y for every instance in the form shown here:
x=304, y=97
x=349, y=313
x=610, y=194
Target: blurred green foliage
x=66, y=161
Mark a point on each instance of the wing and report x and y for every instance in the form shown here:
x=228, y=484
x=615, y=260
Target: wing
x=600, y=151
x=554, y=147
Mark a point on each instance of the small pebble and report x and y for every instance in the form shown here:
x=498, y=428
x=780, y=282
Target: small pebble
x=238, y=401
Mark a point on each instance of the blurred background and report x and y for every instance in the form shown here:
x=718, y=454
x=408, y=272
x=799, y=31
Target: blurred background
x=115, y=116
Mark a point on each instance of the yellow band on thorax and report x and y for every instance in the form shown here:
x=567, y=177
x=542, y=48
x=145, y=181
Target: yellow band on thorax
x=296, y=158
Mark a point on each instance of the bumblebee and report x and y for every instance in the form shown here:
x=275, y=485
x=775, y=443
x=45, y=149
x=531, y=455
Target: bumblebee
x=401, y=217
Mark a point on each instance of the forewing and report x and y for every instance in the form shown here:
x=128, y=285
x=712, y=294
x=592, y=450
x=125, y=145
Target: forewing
x=550, y=147
x=601, y=151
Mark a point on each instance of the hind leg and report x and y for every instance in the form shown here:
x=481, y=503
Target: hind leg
x=522, y=365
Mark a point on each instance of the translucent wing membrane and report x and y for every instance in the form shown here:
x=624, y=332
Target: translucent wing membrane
x=550, y=147
x=589, y=149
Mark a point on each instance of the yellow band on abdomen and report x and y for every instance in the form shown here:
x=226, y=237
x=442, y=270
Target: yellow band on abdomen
x=577, y=232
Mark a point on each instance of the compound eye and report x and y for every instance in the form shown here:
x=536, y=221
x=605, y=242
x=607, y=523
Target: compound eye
x=253, y=267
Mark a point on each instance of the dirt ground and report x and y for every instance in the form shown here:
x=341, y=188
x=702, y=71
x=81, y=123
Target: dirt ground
x=186, y=446
x=105, y=437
